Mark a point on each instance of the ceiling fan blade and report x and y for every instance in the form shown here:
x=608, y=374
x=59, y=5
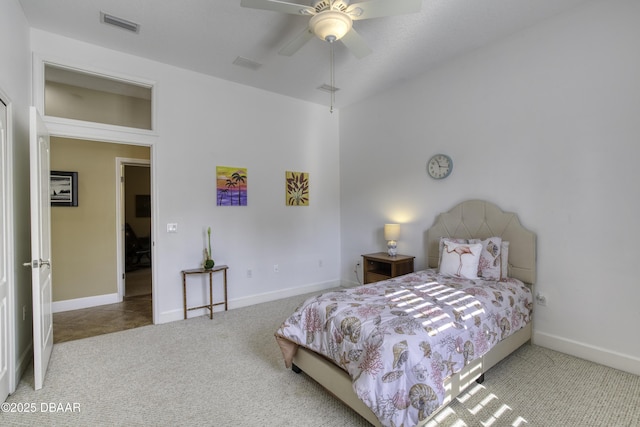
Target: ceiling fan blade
x=294, y=45
x=378, y=8
x=279, y=6
x=356, y=44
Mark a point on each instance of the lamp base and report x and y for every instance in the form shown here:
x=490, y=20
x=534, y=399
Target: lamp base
x=392, y=248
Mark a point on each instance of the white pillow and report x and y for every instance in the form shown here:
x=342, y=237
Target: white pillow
x=460, y=259
x=448, y=239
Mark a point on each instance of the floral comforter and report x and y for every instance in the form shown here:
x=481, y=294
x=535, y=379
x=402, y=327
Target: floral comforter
x=399, y=339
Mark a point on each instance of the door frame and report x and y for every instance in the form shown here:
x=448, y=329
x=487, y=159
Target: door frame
x=77, y=129
x=121, y=162
x=78, y=132
x=6, y=168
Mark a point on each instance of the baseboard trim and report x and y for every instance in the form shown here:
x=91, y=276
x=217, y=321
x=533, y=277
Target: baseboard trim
x=283, y=293
x=350, y=284
x=173, y=315
x=86, y=302
x=23, y=362
x=623, y=362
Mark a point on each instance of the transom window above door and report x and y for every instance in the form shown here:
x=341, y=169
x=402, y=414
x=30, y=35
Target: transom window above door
x=78, y=95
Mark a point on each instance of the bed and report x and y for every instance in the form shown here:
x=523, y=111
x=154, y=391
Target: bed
x=434, y=352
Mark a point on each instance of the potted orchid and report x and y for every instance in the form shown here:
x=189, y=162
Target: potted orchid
x=208, y=261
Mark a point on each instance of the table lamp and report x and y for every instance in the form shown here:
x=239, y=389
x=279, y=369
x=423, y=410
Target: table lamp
x=391, y=234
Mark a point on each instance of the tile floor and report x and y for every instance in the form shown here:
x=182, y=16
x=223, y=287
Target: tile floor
x=133, y=312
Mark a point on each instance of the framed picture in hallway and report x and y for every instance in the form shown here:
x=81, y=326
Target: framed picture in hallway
x=63, y=188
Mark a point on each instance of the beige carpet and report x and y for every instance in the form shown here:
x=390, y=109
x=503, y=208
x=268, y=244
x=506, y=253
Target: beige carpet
x=229, y=372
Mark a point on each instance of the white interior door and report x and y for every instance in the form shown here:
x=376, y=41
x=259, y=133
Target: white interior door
x=5, y=324
x=40, y=246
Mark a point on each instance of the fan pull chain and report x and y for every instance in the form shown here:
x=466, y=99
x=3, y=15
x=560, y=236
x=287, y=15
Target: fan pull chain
x=333, y=78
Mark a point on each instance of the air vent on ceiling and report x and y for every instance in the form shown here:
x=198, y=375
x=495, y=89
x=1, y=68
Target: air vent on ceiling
x=119, y=22
x=247, y=63
x=328, y=88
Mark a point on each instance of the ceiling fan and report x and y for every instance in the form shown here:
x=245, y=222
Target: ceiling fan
x=332, y=20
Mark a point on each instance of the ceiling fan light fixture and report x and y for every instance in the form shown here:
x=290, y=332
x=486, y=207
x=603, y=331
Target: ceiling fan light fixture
x=330, y=25
x=356, y=11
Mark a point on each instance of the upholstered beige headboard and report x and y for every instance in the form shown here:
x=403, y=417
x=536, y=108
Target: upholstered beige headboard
x=479, y=219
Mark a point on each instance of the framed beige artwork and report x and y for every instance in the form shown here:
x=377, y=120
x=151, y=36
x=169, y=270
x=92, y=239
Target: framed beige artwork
x=297, y=188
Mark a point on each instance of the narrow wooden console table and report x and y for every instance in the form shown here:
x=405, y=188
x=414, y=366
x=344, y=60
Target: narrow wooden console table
x=210, y=272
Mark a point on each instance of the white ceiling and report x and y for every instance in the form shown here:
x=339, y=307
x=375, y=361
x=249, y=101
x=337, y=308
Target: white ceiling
x=208, y=35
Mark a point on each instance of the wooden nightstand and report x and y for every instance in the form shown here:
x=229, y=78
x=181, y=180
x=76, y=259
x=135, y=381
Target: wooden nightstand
x=381, y=266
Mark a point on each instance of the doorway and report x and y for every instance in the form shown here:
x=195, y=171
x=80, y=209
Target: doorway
x=88, y=241
x=136, y=186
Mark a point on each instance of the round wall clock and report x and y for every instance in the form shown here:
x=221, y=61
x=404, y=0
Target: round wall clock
x=439, y=166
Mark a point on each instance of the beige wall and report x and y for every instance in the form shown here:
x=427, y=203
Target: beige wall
x=83, y=238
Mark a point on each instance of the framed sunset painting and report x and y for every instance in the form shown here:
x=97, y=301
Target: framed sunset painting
x=231, y=186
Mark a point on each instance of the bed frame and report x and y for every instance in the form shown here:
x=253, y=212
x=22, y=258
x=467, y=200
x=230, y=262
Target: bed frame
x=470, y=219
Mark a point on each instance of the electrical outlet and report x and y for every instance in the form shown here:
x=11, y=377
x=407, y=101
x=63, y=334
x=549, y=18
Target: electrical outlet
x=172, y=228
x=276, y=268
x=320, y=263
x=541, y=299
x=249, y=274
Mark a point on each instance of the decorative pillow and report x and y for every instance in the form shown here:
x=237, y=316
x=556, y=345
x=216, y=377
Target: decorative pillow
x=490, y=266
x=460, y=259
x=441, y=246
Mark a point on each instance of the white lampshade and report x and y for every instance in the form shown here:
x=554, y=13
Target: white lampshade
x=330, y=25
x=391, y=231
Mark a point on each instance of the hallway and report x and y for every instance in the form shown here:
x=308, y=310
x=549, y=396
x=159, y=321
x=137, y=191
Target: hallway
x=134, y=311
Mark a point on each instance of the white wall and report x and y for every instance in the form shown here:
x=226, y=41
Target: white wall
x=15, y=73
x=203, y=122
x=545, y=124
x=533, y=123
